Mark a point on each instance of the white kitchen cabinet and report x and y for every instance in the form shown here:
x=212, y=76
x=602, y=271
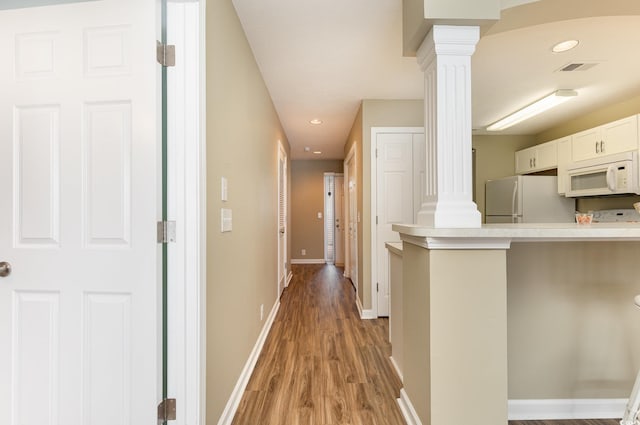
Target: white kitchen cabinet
x=564, y=158
x=537, y=158
x=614, y=137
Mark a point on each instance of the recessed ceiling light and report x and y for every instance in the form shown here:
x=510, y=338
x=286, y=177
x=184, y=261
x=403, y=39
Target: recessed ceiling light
x=563, y=46
x=315, y=121
x=317, y=152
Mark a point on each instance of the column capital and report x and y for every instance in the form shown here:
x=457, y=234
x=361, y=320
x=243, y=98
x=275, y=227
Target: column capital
x=447, y=40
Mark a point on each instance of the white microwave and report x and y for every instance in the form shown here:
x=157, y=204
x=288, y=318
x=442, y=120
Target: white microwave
x=608, y=175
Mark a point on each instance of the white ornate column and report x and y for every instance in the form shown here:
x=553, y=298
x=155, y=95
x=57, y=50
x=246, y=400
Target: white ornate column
x=445, y=58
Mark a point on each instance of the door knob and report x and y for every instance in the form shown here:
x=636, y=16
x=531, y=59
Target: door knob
x=5, y=269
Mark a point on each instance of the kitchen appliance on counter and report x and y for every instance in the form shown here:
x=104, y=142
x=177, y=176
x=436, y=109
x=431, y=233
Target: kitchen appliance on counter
x=624, y=215
x=527, y=199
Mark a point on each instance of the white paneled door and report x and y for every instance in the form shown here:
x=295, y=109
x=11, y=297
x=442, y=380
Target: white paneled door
x=400, y=173
x=79, y=182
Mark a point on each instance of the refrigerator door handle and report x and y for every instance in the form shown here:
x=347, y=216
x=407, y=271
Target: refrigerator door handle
x=514, y=196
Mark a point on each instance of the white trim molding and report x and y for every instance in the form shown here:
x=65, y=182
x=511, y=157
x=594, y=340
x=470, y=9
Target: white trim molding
x=365, y=314
x=236, y=395
x=555, y=409
x=289, y=277
x=397, y=368
x=307, y=261
x=408, y=412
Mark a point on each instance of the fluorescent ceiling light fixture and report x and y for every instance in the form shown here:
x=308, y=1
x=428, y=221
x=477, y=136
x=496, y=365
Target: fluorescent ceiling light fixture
x=563, y=46
x=317, y=152
x=547, y=102
x=315, y=121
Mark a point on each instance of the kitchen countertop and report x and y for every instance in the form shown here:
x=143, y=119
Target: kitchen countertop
x=395, y=247
x=501, y=235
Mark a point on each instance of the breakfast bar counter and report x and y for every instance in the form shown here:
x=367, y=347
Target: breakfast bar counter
x=455, y=337
x=529, y=232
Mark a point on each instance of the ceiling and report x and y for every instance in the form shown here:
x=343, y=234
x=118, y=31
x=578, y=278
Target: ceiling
x=321, y=58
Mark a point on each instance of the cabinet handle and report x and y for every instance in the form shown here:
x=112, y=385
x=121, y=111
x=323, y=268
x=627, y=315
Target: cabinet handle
x=601, y=146
x=597, y=143
x=534, y=163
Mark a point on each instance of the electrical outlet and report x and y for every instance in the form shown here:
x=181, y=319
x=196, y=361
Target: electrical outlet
x=303, y=251
x=261, y=311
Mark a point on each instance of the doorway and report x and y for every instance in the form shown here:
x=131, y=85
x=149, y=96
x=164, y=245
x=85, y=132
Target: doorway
x=334, y=218
x=398, y=178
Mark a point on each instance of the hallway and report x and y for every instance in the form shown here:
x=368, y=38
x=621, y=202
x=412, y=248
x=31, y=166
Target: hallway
x=321, y=364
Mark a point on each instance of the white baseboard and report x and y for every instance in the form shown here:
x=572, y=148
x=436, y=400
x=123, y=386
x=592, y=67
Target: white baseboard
x=408, y=412
x=234, y=401
x=397, y=368
x=368, y=314
x=307, y=261
x=364, y=314
x=289, y=277
x=566, y=409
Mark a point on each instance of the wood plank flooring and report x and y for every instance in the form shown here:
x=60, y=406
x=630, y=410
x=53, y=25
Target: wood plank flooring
x=321, y=364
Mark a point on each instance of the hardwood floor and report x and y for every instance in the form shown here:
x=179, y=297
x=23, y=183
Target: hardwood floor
x=321, y=364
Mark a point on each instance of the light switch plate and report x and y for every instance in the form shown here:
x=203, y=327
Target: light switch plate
x=223, y=189
x=320, y=215
x=225, y=219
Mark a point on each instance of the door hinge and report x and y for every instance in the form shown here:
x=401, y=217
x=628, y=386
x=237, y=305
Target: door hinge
x=166, y=231
x=377, y=287
x=376, y=219
x=165, y=54
x=167, y=410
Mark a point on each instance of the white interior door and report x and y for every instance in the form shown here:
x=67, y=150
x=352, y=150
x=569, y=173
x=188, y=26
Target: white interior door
x=339, y=219
x=79, y=175
x=395, y=202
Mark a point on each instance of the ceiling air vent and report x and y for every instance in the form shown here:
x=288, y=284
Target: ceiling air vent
x=578, y=66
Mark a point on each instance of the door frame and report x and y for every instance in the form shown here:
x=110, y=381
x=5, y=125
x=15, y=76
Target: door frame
x=187, y=286
x=350, y=168
x=374, y=203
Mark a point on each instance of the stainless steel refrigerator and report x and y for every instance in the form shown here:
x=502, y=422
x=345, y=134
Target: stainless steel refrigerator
x=527, y=199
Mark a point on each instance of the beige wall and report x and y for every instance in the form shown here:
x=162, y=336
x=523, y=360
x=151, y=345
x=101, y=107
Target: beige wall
x=454, y=304
x=374, y=113
x=242, y=264
x=495, y=159
x=418, y=16
x=600, y=116
x=572, y=325
x=307, y=200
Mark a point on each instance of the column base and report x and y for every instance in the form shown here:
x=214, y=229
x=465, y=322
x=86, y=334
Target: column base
x=442, y=214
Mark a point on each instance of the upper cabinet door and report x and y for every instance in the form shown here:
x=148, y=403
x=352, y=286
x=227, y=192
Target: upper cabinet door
x=537, y=158
x=620, y=136
x=615, y=137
